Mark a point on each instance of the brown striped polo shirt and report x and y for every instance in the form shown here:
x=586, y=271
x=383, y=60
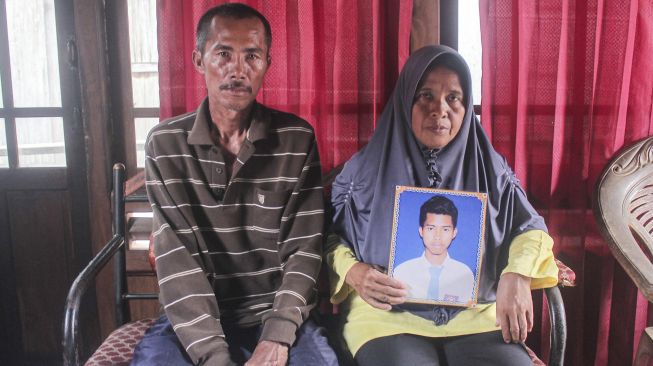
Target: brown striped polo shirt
x=243, y=250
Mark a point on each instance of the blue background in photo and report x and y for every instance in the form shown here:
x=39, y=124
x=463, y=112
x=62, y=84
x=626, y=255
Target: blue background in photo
x=463, y=248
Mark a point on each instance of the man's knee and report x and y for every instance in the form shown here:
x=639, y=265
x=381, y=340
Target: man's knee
x=312, y=347
x=160, y=346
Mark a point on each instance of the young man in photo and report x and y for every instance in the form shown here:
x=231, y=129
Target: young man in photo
x=435, y=275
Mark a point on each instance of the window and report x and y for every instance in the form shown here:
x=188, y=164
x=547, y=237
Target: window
x=40, y=142
x=4, y=162
x=31, y=113
x=144, y=60
x=134, y=60
x=469, y=42
x=144, y=70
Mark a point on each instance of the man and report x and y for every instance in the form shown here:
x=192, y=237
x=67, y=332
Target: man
x=435, y=275
x=235, y=189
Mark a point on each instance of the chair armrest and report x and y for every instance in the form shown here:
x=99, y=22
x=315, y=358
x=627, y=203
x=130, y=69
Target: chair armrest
x=77, y=290
x=557, y=317
x=558, y=321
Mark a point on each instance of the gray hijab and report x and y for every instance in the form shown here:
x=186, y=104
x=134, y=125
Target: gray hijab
x=363, y=193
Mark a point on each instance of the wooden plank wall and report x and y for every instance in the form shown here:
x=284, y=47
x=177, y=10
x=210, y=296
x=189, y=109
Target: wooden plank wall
x=40, y=218
x=425, y=28
x=96, y=112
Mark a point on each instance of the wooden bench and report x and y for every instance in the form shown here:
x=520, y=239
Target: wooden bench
x=118, y=347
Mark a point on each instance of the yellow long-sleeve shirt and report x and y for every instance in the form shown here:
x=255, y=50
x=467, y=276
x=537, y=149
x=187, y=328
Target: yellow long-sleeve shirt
x=530, y=255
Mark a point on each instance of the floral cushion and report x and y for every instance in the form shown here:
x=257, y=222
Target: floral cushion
x=118, y=348
x=566, y=276
x=533, y=356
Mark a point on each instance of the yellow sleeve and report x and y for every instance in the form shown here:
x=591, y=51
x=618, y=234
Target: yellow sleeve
x=531, y=255
x=340, y=258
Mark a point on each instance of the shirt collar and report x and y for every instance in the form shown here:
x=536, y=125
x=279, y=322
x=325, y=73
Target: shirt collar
x=426, y=261
x=200, y=134
x=260, y=125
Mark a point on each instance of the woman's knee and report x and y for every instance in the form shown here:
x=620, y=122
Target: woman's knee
x=485, y=349
x=399, y=349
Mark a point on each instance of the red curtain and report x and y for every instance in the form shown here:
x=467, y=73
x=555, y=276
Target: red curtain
x=565, y=85
x=334, y=63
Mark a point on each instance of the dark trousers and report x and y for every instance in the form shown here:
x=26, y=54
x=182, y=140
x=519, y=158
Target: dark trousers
x=476, y=349
x=161, y=347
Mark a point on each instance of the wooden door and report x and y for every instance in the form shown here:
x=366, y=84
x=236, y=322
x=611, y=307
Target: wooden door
x=44, y=228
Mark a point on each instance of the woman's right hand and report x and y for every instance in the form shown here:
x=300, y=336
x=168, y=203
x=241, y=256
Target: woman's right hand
x=376, y=288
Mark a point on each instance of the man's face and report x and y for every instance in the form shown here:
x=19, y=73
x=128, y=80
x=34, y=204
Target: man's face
x=233, y=62
x=438, y=108
x=437, y=233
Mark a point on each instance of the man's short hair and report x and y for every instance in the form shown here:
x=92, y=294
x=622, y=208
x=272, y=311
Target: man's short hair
x=438, y=205
x=229, y=11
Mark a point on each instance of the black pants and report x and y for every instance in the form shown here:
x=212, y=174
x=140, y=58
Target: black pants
x=412, y=350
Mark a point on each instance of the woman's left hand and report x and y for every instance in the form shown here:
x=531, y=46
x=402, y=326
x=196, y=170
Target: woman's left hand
x=514, y=307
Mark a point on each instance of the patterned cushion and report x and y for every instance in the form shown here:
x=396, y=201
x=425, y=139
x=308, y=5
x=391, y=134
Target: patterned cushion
x=566, y=276
x=533, y=356
x=118, y=348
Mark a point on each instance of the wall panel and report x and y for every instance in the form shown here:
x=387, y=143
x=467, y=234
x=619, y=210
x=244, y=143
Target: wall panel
x=40, y=230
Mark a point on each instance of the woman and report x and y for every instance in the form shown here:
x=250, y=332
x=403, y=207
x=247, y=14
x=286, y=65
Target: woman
x=429, y=136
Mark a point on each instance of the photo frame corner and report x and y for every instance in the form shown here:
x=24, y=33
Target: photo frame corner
x=475, y=250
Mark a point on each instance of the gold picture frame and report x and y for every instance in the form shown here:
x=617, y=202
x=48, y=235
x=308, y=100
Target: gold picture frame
x=438, y=256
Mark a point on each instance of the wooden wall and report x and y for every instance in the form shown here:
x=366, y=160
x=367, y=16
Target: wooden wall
x=96, y=112
x=425, y=28
x=44, y=221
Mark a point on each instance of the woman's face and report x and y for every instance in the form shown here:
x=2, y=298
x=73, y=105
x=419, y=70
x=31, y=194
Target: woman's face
x=438, y=108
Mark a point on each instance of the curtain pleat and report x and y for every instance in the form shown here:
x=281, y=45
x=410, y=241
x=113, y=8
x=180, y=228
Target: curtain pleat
x=334, y=63
x=566, y=84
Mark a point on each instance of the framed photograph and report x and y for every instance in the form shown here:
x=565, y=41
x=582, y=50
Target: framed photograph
x=437, y=244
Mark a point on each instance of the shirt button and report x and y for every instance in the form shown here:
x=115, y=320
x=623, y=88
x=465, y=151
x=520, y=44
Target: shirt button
x=219, y=170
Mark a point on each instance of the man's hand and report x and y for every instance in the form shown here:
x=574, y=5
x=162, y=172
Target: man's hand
x=514, y=307
x=376, y=288
x=268, y=353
